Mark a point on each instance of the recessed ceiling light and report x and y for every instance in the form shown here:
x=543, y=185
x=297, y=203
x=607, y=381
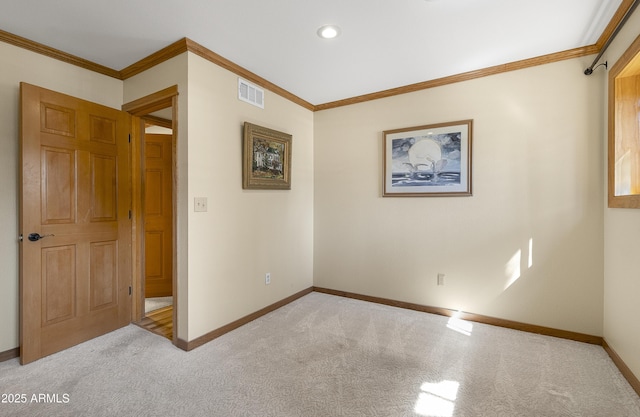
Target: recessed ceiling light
x=329, y=31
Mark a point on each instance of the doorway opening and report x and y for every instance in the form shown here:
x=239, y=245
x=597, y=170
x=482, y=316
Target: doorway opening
x=153, y=212
x=157, y=210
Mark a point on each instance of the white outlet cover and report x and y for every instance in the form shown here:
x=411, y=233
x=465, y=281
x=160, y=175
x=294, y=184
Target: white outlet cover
x=200, y=204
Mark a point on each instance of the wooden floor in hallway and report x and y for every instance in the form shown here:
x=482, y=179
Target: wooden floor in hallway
x=159, y=322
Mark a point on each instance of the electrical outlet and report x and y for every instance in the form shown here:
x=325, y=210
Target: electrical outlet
x=440, y=279
x=200, y=204
x=267, y=278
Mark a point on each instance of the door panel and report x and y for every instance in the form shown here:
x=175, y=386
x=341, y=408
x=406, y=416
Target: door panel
x=57, y=119
x=58, y=284
x=58, y=167
x=158, y=215
x=76, y=193
x=104, y=277
x=103, y=188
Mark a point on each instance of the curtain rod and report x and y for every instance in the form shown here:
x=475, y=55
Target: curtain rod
x=589, y=70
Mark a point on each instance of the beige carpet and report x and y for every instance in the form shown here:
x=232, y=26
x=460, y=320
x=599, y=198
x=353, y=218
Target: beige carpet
x=327, y=356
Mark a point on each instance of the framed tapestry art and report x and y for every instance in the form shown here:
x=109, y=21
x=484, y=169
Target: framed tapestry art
x=266, y=162
x=427, y=161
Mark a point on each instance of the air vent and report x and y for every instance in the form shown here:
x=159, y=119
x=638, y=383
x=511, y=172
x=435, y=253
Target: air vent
x=250, y=93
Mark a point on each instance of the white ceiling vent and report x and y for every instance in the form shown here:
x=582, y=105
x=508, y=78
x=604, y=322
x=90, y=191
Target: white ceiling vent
x=250, y=93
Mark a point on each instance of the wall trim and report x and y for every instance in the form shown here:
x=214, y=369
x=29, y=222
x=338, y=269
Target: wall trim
x=530, y=328
x=466, y=76
x=9, y=354
x=154, y=59
x=148, y=104
x=211, y=56
x=613, y=23
x=56, y=54
x=158, y=121
x=185, y=44
x=622, y=367
x=184, y=345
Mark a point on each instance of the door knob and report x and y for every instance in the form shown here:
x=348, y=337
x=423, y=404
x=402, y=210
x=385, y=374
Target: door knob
x=34, y=237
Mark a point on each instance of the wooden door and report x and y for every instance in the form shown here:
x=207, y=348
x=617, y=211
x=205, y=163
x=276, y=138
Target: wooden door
x=158, y=215
x=75, y=193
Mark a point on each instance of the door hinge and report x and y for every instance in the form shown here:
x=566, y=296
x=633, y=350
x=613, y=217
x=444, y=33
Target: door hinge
x=129, y=290
x=129, y=214
x=129, y=137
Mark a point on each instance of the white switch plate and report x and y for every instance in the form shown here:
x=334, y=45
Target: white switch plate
x=200, y=204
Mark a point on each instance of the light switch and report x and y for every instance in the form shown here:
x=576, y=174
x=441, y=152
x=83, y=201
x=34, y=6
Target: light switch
x=200, y=204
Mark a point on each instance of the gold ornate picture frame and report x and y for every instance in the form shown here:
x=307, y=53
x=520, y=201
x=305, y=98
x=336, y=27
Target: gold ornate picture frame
x=266, y=160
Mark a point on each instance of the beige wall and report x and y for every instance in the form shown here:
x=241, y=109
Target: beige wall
x=21, y=65
x=245, y=233
x=622, y=246
x=537, y=167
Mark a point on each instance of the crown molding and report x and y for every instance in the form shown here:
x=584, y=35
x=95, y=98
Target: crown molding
x=41, y=49
x=187, y=45
x=466, y=76
x=211, y=56
x=613, y=23
x=154, y=59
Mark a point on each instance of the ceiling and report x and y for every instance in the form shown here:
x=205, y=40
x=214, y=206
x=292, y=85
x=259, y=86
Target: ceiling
x=383, y=43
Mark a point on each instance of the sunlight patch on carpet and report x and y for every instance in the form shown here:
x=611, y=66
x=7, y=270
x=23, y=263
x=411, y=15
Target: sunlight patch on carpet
x=437, y=399
x=461, y=326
